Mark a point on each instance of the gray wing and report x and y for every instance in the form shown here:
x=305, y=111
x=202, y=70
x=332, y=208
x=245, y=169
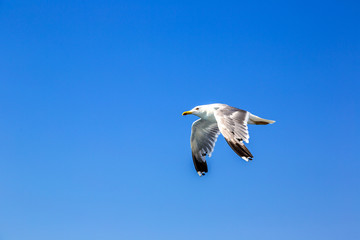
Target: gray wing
x=203, y=137
x=232, y=123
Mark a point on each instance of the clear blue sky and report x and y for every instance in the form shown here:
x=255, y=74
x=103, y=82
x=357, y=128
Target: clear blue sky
x=93, y=144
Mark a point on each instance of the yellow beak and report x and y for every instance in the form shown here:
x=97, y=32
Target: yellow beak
x=187, y=113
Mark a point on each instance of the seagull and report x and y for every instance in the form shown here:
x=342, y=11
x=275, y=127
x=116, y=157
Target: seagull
x=215, y=119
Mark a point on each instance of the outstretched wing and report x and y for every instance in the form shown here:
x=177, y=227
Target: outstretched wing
x=203, y=137
x=232, y=123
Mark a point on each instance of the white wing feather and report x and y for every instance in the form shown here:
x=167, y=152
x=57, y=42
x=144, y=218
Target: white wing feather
x=203, y=137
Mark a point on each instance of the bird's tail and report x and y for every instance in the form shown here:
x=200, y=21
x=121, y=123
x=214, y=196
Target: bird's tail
x=258, y=121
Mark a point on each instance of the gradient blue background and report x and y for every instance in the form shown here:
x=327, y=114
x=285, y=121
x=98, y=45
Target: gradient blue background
x=93, y=144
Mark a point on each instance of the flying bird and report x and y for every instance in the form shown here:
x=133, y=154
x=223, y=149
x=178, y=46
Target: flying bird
x=215, y=119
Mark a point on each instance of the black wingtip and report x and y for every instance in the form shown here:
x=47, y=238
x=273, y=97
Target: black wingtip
x=240, y=149
x=200, y=166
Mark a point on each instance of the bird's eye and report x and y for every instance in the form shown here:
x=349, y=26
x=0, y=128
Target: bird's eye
x=196, y=108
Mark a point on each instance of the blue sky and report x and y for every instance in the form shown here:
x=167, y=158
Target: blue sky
x=93, y=144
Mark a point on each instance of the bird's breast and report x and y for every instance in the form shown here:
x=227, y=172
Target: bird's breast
x=209, y=117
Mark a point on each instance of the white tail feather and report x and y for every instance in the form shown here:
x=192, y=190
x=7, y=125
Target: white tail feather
x=253, y=119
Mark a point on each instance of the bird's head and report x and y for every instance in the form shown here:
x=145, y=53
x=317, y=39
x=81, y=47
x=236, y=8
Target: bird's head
x=204, y=111
x=197, y=111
